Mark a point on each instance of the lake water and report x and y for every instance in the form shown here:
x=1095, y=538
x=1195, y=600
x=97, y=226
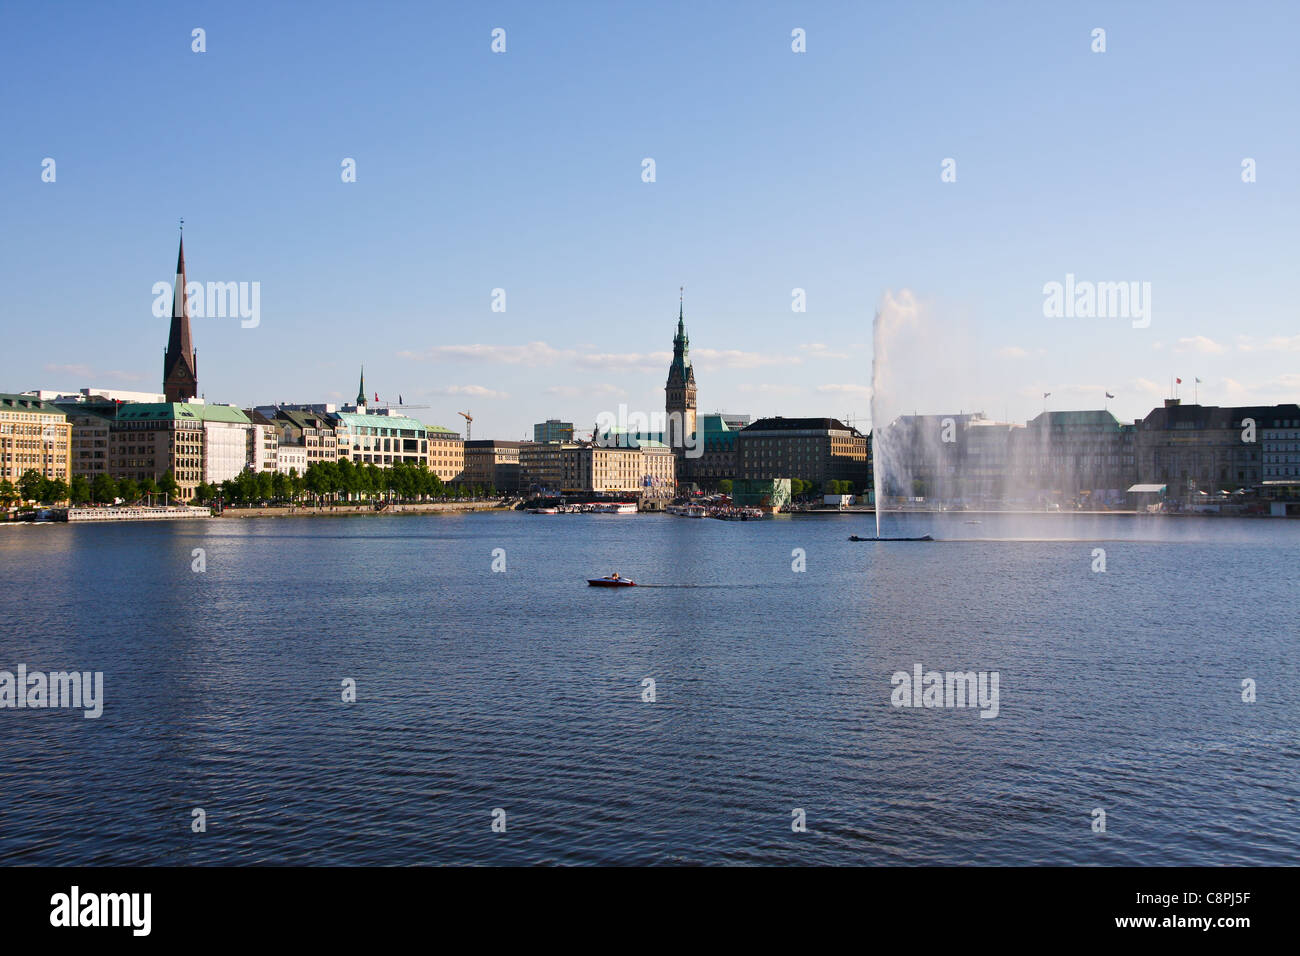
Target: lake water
x=522, y=690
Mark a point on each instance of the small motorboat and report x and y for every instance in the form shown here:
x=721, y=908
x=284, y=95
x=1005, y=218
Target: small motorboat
x=611, y=581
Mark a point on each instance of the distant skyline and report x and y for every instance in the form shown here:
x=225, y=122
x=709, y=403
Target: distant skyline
x=774, y=171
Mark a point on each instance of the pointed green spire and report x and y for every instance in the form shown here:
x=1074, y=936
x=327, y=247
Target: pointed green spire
x=361, y=389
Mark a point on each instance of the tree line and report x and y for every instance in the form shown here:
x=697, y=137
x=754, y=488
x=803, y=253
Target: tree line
x=328, y=480
x=33, y=486
x=344, y=479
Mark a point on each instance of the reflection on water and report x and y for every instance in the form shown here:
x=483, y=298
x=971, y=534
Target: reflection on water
x=522, y=690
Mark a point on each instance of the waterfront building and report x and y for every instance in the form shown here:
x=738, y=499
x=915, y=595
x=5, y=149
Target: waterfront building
x=813, y=449
x=195, y=441
x=446, y=451
x=492, y=462
x=305, y=428
x=381, y=438
x=989, y=458
x=646, y=468
x=1205, y=448
x=385, y=437
x=225, y=442
x=181, y=360
x=608, y=470
x=717, y=460
x=91, y=417
x=263, y=441
x=553, y=430
x=1077, y=455
x=658, y=471
x=679, y=391
x=1280, y=446
x=546, y=468
x=291, y=459
x=967, y=459
x=34, y=435
x=925, y=456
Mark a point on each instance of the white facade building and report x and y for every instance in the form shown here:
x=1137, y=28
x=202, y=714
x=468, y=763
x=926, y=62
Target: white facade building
x=291, y=457
x=225, y=447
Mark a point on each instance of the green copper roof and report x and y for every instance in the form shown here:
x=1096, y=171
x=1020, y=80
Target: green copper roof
x=180, y=411
x=27, y=403
x=355, y=420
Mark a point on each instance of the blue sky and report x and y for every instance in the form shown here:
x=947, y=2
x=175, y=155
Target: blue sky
x=774, y=171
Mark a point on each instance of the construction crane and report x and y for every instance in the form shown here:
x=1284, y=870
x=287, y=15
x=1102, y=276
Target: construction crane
x=469, y=419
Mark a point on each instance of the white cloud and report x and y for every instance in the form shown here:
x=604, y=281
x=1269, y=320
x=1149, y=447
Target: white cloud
x=573, y=391
x=821, y=350
x=1278, y=343
x=532, y=354
x=87, y=373
x=82, y=370
x=734, y=358
x=771, y=389
x=1199, y=343
x=863, y=391
x=625, y=361
x=478, y=391
x=1016, y=352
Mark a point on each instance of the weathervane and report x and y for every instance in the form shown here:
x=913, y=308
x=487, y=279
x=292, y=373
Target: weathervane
x=182, y=223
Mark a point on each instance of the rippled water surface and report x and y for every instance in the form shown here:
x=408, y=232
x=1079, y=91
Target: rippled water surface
x=522, y=691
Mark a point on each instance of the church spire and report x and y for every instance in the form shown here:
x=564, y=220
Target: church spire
x=181, y=361
x=681, y=366
x=361, y=389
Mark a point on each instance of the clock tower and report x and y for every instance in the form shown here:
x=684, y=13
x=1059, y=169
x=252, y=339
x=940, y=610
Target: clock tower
x=680, y=390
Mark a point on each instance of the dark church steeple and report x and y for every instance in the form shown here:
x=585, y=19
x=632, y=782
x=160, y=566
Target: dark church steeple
x=181, y=361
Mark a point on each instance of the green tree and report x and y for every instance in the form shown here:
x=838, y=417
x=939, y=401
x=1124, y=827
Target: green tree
x=79, y=490
x=148, y=487
x=104, y=489
x=54, y=490
x=725, y=486
x=30, y=484
x=280, y=485
x=128, y=490
x=245, y=486
x=351, y=480
x=168, y=486
x=8, y=492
